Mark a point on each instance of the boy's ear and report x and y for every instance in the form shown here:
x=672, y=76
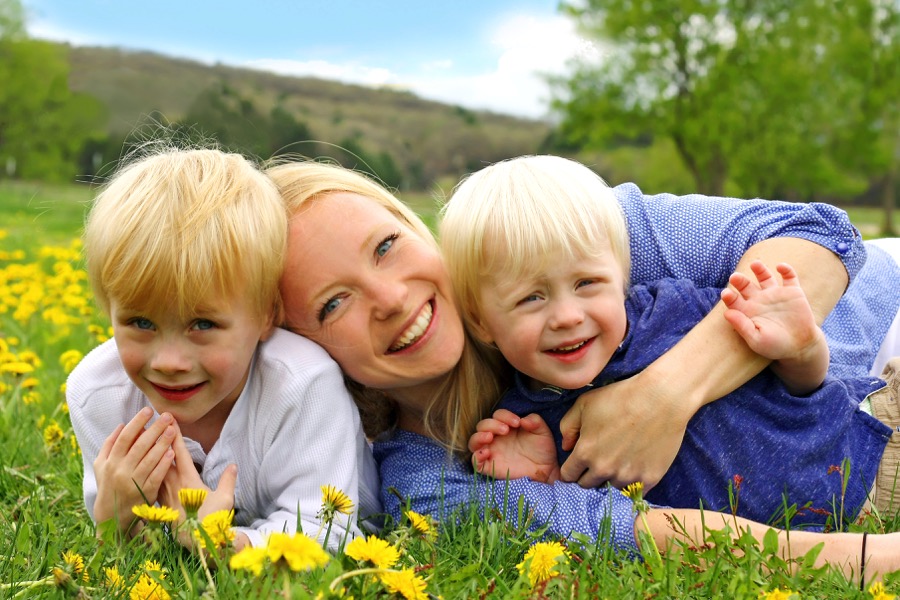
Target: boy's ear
x=480, y=331
x=269, y=328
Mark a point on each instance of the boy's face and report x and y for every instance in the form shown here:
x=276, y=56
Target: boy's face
x=558, y=327
x=194, y=368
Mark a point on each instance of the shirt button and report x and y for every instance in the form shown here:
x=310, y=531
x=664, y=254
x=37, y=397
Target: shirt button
x=842, y=248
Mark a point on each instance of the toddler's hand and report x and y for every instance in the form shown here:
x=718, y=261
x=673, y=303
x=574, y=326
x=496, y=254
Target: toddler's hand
x=506, y=446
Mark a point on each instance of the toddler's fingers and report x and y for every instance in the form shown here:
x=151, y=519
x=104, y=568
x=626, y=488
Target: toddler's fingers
x=506, y=416
x=764, y=276
x=534, y=423
x=131, y=432
x=492, y=426
x=789, y=277
x=479, y=440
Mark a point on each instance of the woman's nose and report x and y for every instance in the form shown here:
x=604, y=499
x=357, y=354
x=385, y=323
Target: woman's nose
x=388, y=297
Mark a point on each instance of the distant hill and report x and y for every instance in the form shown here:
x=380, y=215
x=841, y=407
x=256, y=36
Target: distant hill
x=428, y=141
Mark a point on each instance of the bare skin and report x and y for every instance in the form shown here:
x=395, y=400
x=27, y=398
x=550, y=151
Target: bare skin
x=634, y=427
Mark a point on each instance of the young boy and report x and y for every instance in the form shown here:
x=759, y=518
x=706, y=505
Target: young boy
x=197, y=388
x=538, y=251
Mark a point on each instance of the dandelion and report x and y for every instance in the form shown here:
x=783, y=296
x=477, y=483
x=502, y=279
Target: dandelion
x=69, y=359
x=31, y=397
x=114, y=580
x=155, y=514
x=299, y=551
x=153, y=566
x=334, y=501
x=422, y=525
x=147, y=588
x=405, y=583
x=777, y=594
x=249, y=559
x=29, y=382
x=373, y=550
x=191, y=499
x=878, y=592
x=635, y=491
x=53, y=435
x=542, y=561
x=217, y=526
x=17, y=368
x=75, y=564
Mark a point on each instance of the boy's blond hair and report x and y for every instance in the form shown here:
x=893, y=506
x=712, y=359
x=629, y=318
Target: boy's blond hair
x=511, y=219
x=181, y=227
x=472, y=387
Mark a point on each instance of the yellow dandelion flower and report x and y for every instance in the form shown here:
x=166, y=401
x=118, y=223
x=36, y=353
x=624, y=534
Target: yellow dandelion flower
x=3, y=388
x=61, y=578
x=542, y=561
x=29, y=382
x=12, y=341
x=299, y=551
x=191, y=499
x=69, y=359
x=31, y=357
x=217, y=526
x=75, y=562
x=64, y=407
x=373, y=550
x=62, y=389
x=114, y=580
x=30, y=397
x=147, y=588
x=53, y=434
x=155, y=514
x=334, y=501
x=17, y=368
x=405, y=583
x=635, y=490
x=153, y=566
x=879, y=593
x=777, y=594
x=249, y=559
x=422, y=524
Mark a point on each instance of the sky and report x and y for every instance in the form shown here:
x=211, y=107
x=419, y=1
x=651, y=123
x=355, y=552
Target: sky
x=480, y=54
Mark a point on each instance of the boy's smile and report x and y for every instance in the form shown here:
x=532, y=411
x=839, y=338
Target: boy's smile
x=193, y=367
x=559, y=326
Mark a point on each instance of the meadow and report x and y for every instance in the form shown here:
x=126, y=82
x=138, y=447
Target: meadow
x=49, y=547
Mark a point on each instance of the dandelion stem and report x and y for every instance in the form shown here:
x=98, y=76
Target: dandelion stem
x=333, y=585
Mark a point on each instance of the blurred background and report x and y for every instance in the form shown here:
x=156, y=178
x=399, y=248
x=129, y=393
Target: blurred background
x=786, y=99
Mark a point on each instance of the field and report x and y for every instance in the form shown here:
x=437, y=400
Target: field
x=48, y=546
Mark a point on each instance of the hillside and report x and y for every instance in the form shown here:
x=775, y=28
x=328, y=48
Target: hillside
x=429, y=140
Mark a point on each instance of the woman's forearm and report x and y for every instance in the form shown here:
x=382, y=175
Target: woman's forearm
x=712, y=359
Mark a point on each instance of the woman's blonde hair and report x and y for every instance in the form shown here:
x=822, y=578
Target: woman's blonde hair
x=515, y=216
x=178, y=227
x=467, y=392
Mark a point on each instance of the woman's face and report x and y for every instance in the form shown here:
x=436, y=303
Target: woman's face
x=374, y=294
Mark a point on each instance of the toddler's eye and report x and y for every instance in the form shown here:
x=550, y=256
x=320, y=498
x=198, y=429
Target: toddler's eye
x=583, y=283
x=204, y=325
x=328, y=307
x=529, y=298
x=142, y=323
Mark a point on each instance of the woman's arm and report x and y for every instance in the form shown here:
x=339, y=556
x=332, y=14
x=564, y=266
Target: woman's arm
x=634, y=428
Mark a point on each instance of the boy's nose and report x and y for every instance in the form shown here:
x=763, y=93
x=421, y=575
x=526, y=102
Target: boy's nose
x=170, y=358
x=566, y=313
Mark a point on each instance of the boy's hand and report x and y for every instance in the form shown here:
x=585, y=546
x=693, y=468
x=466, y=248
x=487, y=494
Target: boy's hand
x=185, y=475
x=134, y=456
x=507, y=446
x=777, y=322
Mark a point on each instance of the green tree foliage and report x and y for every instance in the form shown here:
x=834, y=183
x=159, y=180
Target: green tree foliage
x=43, y=125
x=747, y=91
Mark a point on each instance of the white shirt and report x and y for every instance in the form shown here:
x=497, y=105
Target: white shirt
x=293, y=429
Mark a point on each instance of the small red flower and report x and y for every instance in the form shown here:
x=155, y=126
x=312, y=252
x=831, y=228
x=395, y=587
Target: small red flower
x=738, y=480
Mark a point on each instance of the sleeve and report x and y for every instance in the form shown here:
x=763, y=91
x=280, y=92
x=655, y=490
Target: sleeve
x=702, y=238
x=313, y=439
x=432, y=483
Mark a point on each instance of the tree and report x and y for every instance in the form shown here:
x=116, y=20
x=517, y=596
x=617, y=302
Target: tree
x=43, y=124
x=736, y=85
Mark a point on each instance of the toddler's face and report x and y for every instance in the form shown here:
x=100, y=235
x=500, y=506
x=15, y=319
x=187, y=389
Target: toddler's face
x=559, y=327
x=196, y=367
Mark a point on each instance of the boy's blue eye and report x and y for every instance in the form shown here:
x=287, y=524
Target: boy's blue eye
x=328, y=307
x=529, y=298
x=142, y=323
x=385, y=244
x=204, y=325
x=584, y=282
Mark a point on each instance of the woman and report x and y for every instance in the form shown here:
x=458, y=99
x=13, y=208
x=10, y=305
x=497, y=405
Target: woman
x=365, y=280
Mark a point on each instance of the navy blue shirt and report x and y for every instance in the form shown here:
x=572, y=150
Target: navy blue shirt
x=781, y=445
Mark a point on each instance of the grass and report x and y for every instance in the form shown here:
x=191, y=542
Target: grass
x=48, y=546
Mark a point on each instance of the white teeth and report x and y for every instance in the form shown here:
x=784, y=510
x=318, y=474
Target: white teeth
x=415, y=330
x=570, y=348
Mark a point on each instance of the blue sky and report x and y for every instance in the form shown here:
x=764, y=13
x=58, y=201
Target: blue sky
x=476, y=53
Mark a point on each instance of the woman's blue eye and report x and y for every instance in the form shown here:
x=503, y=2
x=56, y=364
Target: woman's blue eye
x=385, y=245
x=204, y=325
x=328, y=307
